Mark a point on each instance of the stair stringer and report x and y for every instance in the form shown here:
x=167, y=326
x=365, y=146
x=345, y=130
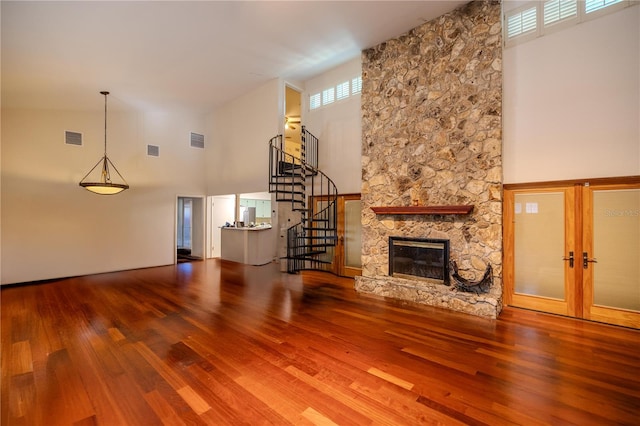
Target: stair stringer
x=296, y=181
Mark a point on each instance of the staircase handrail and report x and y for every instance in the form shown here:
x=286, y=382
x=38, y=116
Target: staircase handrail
x=301, y=169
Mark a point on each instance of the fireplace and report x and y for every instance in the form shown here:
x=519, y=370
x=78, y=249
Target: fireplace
x=421, y=258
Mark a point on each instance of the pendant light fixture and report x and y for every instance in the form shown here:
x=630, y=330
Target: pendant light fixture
x=103, y=184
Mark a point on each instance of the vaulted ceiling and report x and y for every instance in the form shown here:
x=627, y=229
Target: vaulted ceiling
x=193, y=55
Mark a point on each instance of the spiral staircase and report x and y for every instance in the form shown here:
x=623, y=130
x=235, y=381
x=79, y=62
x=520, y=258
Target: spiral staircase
x=298, y=181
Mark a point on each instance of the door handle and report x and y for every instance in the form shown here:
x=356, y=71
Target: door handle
x=570, y=259
x=586, y=260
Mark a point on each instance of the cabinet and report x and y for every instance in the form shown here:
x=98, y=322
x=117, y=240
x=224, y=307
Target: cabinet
x=263, y=207
x=252, y=246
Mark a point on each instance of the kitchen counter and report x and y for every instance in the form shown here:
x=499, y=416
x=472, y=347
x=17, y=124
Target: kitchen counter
x=249, y=245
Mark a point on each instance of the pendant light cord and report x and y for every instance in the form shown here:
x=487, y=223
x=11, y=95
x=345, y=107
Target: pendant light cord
x=105, y=122
x=103, y=184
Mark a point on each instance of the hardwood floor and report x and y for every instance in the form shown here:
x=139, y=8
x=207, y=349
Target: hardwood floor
x=216, y=342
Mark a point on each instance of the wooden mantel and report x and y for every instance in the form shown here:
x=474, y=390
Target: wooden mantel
x=463, y=209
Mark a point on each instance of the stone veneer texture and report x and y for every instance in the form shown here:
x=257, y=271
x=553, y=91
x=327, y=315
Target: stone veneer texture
x=432, y=135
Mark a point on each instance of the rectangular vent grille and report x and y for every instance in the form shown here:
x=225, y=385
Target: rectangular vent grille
x=72, y=138
x=153, y=150
x=197, y=140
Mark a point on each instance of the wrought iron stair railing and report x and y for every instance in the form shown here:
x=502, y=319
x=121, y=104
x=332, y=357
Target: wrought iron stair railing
x=297, y=180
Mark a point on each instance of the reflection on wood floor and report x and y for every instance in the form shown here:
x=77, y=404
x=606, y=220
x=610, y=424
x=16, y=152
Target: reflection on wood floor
x=216, y=342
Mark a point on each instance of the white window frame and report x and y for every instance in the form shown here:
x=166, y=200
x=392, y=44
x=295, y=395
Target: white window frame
x=543, y=29
x=562, y=22
x=343, y=90
x=356, y=88
x=605, y=10
x=315, y=105
x=328, y=95
x=529, y=35
x=321, y=95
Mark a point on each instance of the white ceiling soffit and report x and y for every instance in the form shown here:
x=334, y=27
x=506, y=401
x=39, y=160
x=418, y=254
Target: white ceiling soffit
x=193, y=55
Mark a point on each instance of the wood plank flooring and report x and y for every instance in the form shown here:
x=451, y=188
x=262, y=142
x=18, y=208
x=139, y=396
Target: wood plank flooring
x=215, y=343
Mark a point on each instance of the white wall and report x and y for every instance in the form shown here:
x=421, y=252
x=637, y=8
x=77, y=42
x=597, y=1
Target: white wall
x=571, y=108
x=237, y=158
x=572, y=102
x=52, y=228
x=338, y=127
x=223, y=210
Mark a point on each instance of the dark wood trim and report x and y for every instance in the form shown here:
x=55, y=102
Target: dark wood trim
x=403, y=210
x=573, y=182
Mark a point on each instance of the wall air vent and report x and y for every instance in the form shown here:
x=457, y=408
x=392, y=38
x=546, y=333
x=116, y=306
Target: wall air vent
x=153, y=150
x=72, y=138
x=197, y=140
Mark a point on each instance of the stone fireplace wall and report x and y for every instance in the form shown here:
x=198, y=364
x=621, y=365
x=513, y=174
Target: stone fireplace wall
x=432, y=135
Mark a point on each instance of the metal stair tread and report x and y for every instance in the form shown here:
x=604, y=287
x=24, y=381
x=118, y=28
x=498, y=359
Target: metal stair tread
x=300, y=259
x=293, y=180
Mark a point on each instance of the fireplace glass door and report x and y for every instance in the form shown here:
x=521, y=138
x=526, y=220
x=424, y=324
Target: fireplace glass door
x=421, y=258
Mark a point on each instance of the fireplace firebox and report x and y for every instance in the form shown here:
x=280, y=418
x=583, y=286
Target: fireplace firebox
x=421, y=258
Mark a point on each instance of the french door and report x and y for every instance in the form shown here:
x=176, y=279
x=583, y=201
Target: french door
x=344, y=258
x=574, y=249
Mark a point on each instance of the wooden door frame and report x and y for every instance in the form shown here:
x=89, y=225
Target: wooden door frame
x=592, y=311
x=570, y=304
x=583, y=210
x=198, y=225
x=338, y=266
x=343, y=269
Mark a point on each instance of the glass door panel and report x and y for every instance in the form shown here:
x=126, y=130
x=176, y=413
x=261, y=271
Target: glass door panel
x=329, y=251
x=575, y=250
x=612, y=254
x=352, y=235
x=616, y=231
x=344, y=258
x=539, y=244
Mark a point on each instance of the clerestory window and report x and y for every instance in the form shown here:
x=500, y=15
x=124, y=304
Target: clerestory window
x=537, y=18
x=340, y=91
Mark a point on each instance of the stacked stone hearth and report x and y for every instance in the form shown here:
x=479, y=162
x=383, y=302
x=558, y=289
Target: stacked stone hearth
x=432, y=136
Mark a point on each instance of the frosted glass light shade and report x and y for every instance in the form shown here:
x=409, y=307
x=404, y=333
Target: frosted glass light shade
x=102, y=183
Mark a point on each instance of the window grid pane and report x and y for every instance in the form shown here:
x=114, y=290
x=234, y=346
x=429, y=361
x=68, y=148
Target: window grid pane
x=356, y=85
x=314, y=101
x=558, y=10
x=328, y=96
x=521, y=23
x=339, y=91
x=593, y=5
x=342, y=90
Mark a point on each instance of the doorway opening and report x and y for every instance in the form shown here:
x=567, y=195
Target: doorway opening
x=345, y=258
x=292, y=122
x=249, y=209
x=223, y=213
x=189, y=229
